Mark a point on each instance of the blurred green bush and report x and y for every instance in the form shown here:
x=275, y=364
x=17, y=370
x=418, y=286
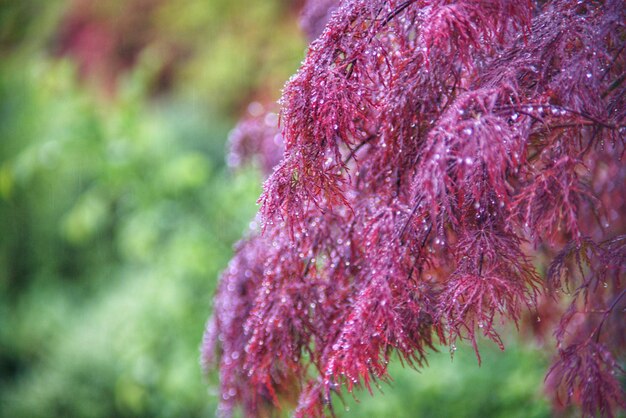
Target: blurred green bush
x=118, y=212
x=117, y=218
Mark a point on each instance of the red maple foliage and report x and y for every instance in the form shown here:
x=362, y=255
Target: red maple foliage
x=446, y=164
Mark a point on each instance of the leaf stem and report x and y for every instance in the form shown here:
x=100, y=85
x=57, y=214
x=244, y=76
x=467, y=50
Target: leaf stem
x=606, y=314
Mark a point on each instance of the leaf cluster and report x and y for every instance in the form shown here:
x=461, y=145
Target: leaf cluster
x=436, y=154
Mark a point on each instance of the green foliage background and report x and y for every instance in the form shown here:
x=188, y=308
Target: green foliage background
x=118, y=213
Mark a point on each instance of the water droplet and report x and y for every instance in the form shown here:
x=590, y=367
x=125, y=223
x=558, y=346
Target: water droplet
x=588, y=75
x=255, y=109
